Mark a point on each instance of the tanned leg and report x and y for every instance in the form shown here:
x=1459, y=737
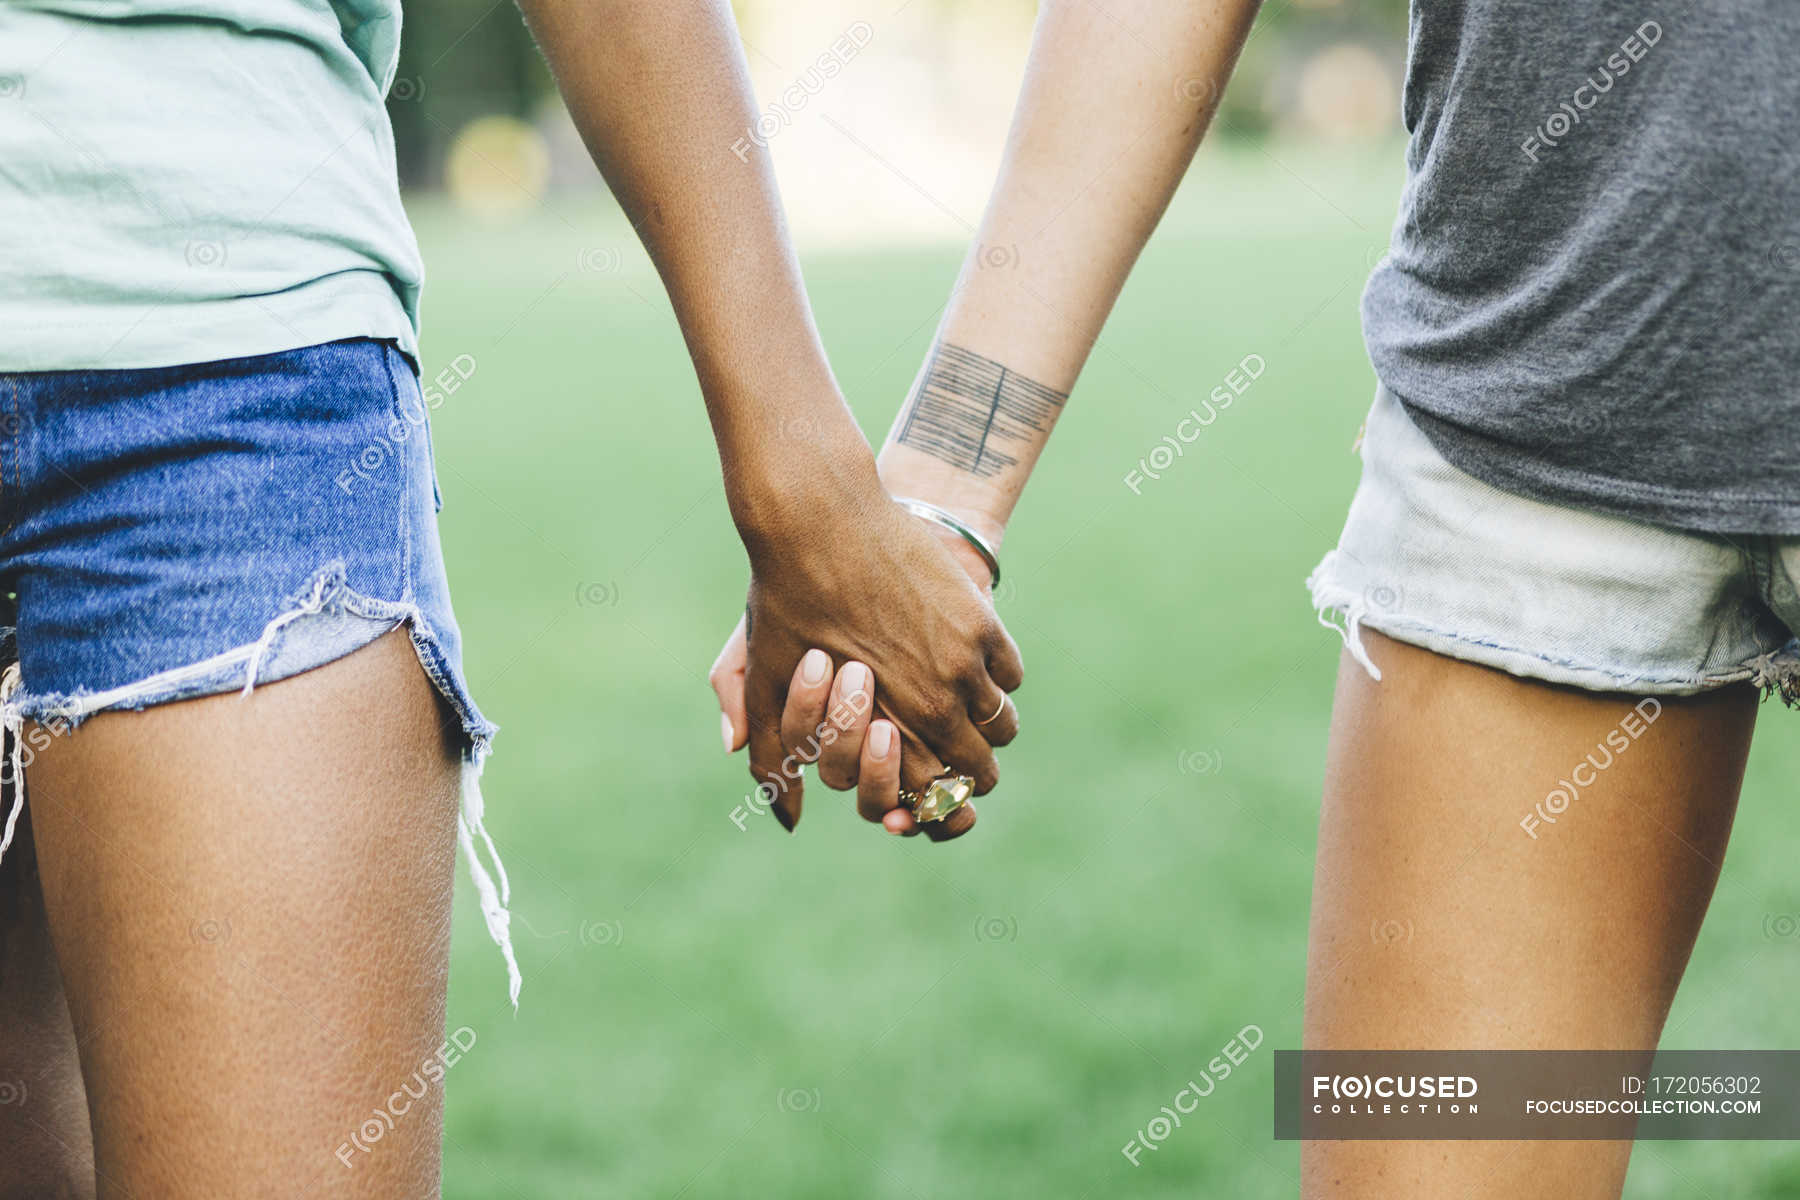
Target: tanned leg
x=45, y=1148
x=250, y=900
x=1439, y=923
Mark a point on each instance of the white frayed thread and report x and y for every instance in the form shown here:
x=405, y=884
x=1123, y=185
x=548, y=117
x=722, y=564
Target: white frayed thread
x=1351, y=630
x=310, y=606
x=14, y=723
x=493, y=899
x=1777, y=673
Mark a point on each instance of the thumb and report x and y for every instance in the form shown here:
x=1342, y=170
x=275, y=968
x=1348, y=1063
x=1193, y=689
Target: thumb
x=727, y=679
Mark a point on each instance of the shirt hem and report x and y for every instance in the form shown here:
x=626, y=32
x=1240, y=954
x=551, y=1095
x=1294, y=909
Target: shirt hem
x=328, y=310
x=1655, y=504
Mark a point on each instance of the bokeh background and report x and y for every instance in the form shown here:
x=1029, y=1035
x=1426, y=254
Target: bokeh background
x=715, y=1009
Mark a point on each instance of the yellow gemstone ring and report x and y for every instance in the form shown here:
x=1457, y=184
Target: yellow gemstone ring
x=941, y=797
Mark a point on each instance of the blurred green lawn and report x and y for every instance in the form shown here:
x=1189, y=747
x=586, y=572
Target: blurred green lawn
x=711, y=1012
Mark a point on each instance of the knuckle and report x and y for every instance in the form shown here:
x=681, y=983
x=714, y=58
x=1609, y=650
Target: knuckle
x=939, y=713
x=986, y=776
x=916, y=778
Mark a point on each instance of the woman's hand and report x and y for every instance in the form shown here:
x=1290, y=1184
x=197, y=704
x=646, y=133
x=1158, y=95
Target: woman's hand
x=854, y=751
x=866, y=587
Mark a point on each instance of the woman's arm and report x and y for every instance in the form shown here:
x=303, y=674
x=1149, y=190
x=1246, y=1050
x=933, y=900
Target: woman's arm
x=1115, y=100
x=1113, y=106
x=660, y=94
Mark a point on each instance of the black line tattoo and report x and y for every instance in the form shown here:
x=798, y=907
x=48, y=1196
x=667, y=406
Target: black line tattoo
x=969, y=409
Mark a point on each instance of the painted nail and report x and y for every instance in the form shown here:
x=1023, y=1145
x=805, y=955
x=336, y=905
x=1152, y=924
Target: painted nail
x=726, y=732
x=881, y=739
x=854, y=680
x=814, y=667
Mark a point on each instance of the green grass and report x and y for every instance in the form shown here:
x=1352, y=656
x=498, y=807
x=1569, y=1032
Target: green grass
x=994, y=1018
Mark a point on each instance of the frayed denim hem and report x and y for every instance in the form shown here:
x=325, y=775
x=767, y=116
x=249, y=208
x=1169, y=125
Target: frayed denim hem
x=1775, y=672
x=327, y=620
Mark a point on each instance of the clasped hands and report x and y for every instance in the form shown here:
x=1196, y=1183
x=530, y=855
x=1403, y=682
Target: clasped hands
x=869, y=646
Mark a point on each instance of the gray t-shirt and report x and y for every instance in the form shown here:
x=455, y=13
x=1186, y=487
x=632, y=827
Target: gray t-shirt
x=1593, y=293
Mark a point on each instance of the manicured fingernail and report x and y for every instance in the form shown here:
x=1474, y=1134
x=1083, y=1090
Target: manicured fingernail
x=814, y=667
x=881, y=739
x=854, y=679
x=726, y=732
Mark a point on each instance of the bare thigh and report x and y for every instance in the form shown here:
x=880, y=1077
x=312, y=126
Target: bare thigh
x=1439, y=923
x=45, y=1150
x=250, y=901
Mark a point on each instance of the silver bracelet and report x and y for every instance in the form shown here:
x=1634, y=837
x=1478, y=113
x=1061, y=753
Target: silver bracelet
x=952, y=522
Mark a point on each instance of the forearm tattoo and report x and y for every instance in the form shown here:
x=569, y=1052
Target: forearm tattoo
x=969, y=411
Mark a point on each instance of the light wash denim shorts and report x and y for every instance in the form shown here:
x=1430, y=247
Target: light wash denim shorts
x=1436, y=558
x=174, y=532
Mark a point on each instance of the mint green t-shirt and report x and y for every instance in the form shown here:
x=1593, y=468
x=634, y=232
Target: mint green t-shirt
x=190, y=180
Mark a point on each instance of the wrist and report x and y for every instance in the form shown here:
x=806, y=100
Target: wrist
x=800, y=480
x=981, y=504
x=966, y=556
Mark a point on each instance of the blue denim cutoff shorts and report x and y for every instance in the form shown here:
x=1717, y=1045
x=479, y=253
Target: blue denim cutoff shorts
x=174, y=532
x=1434, y=557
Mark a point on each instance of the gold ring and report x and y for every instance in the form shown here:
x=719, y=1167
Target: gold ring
x=997, y=712
x=942, y=796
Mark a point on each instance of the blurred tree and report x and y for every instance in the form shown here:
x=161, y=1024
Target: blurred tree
x=463, y=59
x=1288, y=31
x=459, y=59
